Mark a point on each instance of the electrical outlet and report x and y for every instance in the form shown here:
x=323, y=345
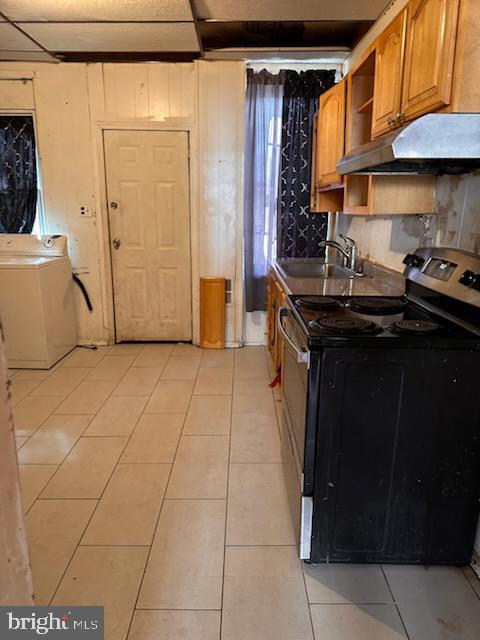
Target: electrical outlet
x=85, y=211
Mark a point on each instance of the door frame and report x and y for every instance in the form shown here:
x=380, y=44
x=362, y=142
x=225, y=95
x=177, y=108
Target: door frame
x=103, y=229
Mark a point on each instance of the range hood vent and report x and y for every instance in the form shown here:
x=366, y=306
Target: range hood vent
x=435, y=144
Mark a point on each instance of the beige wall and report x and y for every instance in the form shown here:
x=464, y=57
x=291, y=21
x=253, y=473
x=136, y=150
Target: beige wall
x=15, y=575
x=74, y=103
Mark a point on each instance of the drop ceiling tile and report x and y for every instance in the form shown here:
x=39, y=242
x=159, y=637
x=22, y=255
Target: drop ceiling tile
x=289, y=10
x=114, y=36
x=11, y=39
x=73, y=10
x=35, y=56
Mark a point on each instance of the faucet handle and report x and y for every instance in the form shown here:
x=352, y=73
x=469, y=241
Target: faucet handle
x=347, y=240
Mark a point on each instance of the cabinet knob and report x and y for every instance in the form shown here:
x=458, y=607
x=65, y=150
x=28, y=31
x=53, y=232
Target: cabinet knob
x=114, y=205
x=116, y=243
x=400, y=115
x=391, y=122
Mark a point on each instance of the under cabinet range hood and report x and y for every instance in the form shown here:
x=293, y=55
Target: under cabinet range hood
x=435, y=144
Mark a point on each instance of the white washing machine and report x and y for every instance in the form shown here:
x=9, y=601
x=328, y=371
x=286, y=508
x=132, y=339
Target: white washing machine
x=36, y=300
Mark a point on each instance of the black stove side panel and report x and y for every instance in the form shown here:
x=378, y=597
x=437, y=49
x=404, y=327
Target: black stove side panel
x=398, y=457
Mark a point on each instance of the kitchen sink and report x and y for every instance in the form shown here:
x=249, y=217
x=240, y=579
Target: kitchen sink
x=314, y=269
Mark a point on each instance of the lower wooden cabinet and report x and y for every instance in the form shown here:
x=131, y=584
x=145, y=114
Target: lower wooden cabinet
x=276, y=299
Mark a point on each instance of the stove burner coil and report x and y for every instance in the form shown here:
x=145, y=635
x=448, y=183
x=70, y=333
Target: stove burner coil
x=318, y=303
x=415, y=326
x=376, y=305
x=346, y=325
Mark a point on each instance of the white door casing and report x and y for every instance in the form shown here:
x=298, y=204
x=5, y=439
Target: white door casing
x=149, y=224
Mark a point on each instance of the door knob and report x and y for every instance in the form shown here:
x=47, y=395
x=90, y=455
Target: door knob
x=116, y=243
x=114, y=205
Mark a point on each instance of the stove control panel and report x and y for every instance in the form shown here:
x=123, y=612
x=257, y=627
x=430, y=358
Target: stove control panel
x=466, y=278
x=451, y=272
x=412, y=260
x=476, y=282
x=470, y=279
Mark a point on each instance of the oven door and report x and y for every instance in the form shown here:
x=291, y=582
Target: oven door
x=295, y=374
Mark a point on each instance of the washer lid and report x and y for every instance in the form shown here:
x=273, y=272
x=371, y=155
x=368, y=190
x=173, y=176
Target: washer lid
x=26, y=262
x=24, y=244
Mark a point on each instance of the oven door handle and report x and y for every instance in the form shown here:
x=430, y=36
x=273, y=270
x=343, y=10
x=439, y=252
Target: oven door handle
x=302, y=356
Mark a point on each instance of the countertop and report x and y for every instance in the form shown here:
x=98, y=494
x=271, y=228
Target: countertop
x=378, y=281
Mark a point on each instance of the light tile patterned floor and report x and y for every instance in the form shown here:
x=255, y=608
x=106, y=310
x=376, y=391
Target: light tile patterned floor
x=152, y=484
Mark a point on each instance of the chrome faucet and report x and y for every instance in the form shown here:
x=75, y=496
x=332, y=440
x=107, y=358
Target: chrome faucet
x=338, y=247
x=348, y=251
x=352, y=250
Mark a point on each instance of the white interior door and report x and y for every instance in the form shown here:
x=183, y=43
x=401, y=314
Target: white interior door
x=149, y=219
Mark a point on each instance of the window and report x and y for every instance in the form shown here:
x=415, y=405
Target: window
x=18, y=174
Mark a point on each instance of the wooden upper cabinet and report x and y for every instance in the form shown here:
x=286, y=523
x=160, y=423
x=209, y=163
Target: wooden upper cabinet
x=388, y=76
x=429, y=56
x=330, y=135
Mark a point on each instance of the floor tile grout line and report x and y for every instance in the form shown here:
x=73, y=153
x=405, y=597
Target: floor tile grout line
x=68, y=452
x=226, y=502
x=133, y=367
x=312, y=626
x=171, y=609
x=164, y=498
x=13, y=403
x=67, y=357
x=469, y=582
x=395, y=601
x=352, y=604
x=41, y=424
x=58, y=367
x=98, y=501
x=61, y=396
x=308, y=603
x=58, y=465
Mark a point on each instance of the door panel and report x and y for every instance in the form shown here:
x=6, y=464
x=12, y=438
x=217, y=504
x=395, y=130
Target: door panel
x=388, y=76
x=147, y=187
x=429, y=55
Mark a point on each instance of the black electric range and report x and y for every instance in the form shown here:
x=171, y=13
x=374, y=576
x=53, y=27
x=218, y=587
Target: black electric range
x=381, y=427
x=362, y=320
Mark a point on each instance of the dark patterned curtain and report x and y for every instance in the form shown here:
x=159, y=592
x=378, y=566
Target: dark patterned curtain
x=18, y=174
x=299, y=232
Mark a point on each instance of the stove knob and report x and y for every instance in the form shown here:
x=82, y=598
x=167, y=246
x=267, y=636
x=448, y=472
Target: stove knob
x=476, y=282
x=412, y=260
x=467, y=278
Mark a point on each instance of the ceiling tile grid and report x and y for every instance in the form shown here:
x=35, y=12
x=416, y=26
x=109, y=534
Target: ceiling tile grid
x=136, y=28
x=96, y=10
x=113, y=36
x=12, y=39
x=234, y=10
